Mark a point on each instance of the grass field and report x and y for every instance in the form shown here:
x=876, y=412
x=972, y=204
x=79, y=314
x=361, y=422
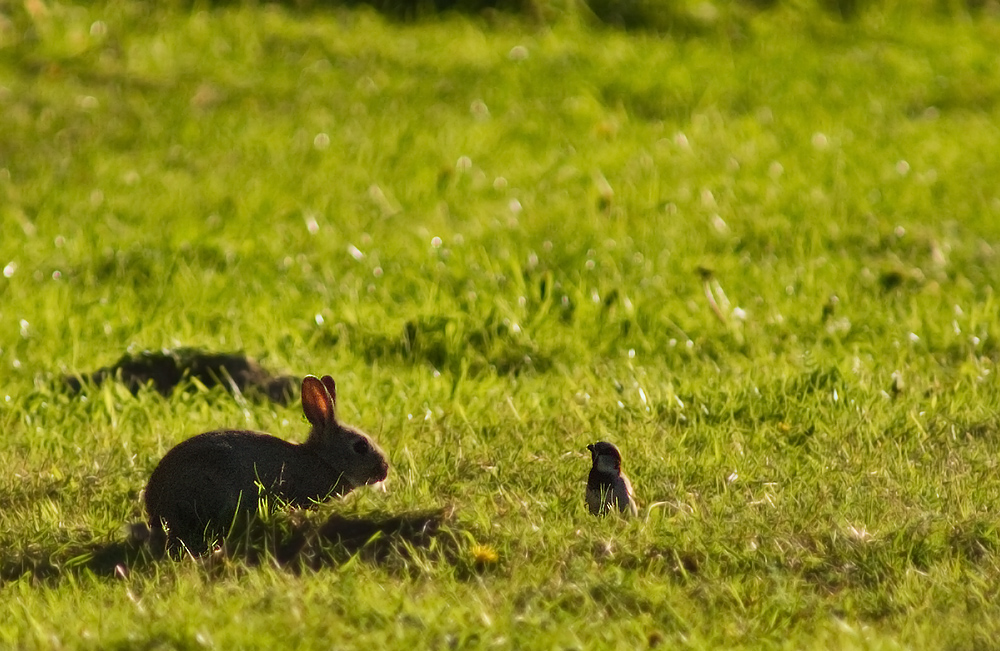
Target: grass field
x=755, y=248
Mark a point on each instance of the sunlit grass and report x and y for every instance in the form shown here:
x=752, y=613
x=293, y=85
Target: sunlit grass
x=759, y=256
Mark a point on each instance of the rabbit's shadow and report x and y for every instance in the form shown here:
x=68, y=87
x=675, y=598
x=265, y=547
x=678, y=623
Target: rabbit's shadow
x=377, y=539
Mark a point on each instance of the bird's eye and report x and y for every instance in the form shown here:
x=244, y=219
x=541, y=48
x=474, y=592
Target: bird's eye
x=362, y=447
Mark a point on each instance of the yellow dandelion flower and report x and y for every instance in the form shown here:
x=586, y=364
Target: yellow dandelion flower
x=484, y=555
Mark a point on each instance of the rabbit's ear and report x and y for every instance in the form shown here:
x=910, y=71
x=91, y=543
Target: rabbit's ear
x=317, y=402
x=331, y=386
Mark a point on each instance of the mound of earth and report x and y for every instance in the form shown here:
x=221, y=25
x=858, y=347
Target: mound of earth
x=168, y=368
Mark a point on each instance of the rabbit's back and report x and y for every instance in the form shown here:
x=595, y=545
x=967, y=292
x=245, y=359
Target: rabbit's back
x=202, y=485
x=203, y=482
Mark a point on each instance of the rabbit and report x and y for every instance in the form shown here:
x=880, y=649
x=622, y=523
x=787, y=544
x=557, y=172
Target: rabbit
x=607, y=486
x=202, y=484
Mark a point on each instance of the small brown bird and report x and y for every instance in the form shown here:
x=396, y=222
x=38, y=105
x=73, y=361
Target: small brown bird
x=607, y=487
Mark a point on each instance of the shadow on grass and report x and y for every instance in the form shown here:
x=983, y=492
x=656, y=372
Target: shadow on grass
x=448, y=344
x=289, y=542
x=676, y=18
x=831, y=560
x=402, y=10
x=165, y=370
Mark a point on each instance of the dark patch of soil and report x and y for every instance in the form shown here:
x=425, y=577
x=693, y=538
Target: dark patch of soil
x=166, y=369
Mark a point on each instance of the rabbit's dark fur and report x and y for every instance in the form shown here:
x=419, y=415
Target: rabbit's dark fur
x=201, y=485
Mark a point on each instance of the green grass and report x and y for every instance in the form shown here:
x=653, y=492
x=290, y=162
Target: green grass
x=500, y=236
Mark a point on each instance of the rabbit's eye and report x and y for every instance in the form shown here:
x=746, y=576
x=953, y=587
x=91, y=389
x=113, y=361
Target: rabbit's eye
x=362, y=447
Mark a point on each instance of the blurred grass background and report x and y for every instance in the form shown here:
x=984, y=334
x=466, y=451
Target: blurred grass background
x=755, y=245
